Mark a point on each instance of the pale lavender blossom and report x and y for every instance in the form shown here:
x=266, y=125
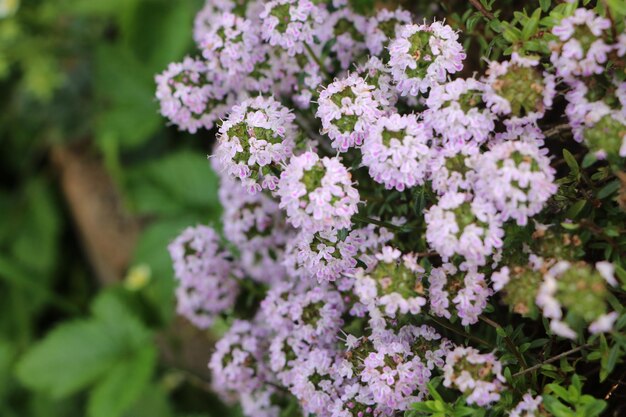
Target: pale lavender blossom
x=254, y=142
x=519, y=90
x=396, y=151
x=291, y=24
x=457, y=112
x=207, y=278
x=464, y=293
x=392, y=284
x=192, y=95
x=382, y=28
x=580, y=49
x=450, y=167
x=347, y=108
x=255, y=224
x=376, y=73
x=516, y=178
x=346, y=29
x=477, y=375
x=463, y=225
x=424, y=55
x=237, y=363
x=528, y=407
x=317, y=194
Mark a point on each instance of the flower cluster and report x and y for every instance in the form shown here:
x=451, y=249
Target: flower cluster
x=207, y=277
x=401, y=193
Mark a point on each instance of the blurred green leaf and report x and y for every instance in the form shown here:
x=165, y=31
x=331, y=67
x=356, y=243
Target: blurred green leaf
x=123, y=384
x=77, y=353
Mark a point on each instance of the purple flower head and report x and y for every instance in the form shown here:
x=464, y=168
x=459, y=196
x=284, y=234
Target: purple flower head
x=477, y=375
x=464, y=225
x=450, y=168
x=255, y=224
x=518, y=90
x=424, y=55
x=580, y=49
x=347, y=30
x=234, y=45
x=237, y=363
x=396, y=151
x=560, y=301
x=255, y=140
x=331, y=254
x=317, y=194
x=382, y=28
x=291, y=24
x=456, y=111
x=393, y=283
x=377, y=74
x=528, y=407
x=207, y=279
x=516, y=177
x=347, y=109
x=192, y=95
x=454, y=292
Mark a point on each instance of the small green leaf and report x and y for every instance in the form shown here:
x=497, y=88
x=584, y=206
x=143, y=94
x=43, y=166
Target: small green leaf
x=545, y=4
x=575, y=210
x=608, y=189
x=589, y=160
x=571, y=161
x=570, y=226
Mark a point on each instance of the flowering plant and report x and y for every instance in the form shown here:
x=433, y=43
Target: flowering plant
x=405, y=230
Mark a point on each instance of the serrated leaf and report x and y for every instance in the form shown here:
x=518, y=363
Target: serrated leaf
x=123, y=384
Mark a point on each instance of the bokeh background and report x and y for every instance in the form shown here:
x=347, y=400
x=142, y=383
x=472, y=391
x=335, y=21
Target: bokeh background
x=93, y=186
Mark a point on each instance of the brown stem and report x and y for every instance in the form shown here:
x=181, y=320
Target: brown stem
x=508, y=341
x=552, y=359
x=481, y=9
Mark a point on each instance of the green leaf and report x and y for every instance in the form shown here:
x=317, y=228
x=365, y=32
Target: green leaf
x=575, y=209
x=77, y=353
x=571, y=161
x=530, y=28
x=608, y=189
x=617, y=6
x=589, y=160
x=123, y=384
x=545, y=4
x=594, y=408
x=70, y=358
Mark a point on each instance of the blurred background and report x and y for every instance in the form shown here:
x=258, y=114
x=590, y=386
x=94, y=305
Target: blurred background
x=93, y=186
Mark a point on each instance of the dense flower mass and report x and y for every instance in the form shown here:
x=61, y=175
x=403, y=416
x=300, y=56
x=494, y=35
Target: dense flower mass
x=347, y=108
x=317, y=194
x=396, y=151
x=423, y=55
x=207, y=277
x=414, y=207
x=256, y=137
x=191, y=95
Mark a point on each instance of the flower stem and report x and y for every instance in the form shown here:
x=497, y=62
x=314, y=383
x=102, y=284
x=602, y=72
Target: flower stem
x=553, y=359
x=315, y=58
x=365, y=219
x=507, y=340
x=460, y=332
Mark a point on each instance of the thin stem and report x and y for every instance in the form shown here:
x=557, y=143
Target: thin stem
x=481, y=9
x=365, y=219
x=315, y=58
x=507, y=340
x=460, y=332
x=553, y=359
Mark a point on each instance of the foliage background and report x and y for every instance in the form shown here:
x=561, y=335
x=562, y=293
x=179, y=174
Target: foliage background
x=87, y=324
